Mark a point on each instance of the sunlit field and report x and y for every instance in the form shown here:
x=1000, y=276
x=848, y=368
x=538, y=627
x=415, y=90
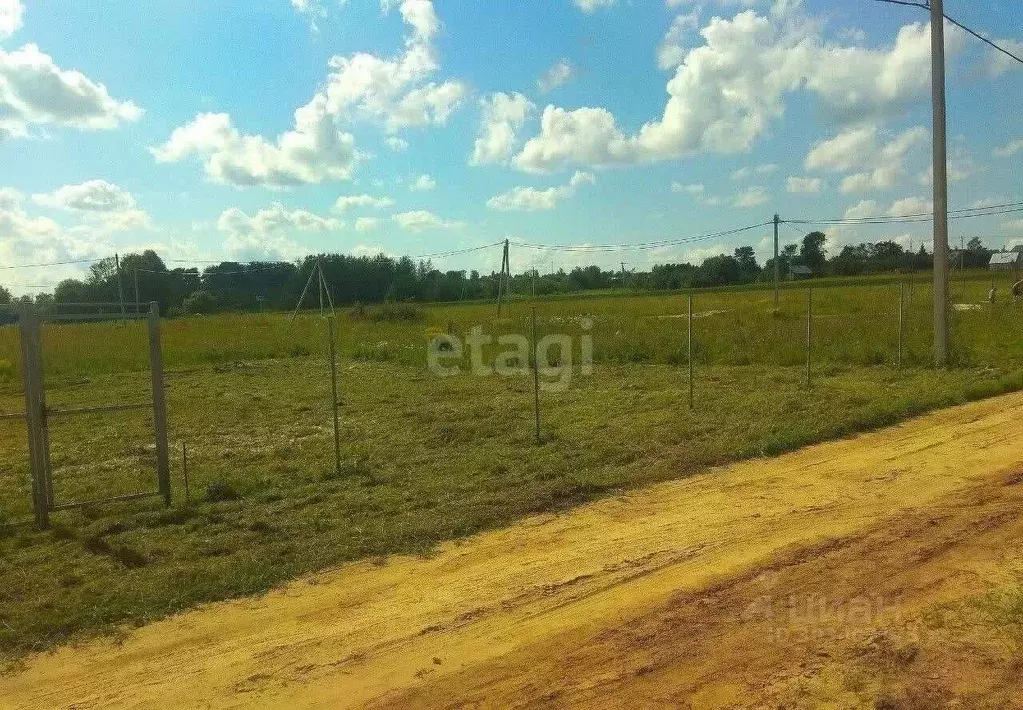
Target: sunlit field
x=428, y=458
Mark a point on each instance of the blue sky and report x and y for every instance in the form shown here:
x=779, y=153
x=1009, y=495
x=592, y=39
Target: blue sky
x=172, y=124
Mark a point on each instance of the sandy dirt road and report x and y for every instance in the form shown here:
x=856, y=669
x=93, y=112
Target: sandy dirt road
x=653, y=598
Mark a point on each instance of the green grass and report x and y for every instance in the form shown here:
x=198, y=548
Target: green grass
x=425, y=458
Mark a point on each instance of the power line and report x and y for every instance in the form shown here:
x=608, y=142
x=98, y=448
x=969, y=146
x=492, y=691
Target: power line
x=52, y=263
x=639, y=246
x=961, y=26
x=961, y=213
x=983, y=39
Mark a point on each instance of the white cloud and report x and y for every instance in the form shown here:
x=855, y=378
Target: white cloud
x=314, y=151
x=104, y=204
x=692, y=188
x=396, y=144
x=393, y=92
x=34, y=90
x=803, y=185
x=726, y=93
x=911, y=206
x=502, y=117
x=1009, y=149
x=751, y=197
x=347, y=202
x=423, y=183
x=862, y=210
x=268, y=233
x=879, y=166
x=11, y=17
x=1015, y=225
x=418, y=220
x=365, y=224
x=670, y=53
x=90, y=196
x=998, y=63
x=530, y=199
x=558, y=74
x=592, y=5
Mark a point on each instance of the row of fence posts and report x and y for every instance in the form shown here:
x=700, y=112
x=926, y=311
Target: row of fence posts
x=689, y=349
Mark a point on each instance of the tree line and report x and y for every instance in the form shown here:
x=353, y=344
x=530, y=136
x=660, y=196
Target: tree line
x=234, y=286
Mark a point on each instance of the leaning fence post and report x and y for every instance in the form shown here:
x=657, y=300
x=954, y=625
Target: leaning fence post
x=333, y=396
x=536, y=379
x=28, y=324
x=690, y=350
x=184, y=468
x=902, y=318
x=809, y=332
x=159, y=404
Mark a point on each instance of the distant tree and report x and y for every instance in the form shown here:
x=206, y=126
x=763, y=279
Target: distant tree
x=719, y=271
x=748, y=267
x=811, y=253
x=200, y=302
x=5, y=296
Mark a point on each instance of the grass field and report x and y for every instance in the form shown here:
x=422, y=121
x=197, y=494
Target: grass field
x=428, y=458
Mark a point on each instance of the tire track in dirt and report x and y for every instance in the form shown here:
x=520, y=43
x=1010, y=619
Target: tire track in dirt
x=468, y=622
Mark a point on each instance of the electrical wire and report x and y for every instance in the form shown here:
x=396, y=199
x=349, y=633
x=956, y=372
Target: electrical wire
x=52, y=263
x=961, y=213
x=640, y=246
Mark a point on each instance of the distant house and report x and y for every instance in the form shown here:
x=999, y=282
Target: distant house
x=798, y=271
x=1005, y=260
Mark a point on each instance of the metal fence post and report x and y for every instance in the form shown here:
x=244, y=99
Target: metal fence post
x=809, y=332
x=333, y=396
x=35, y=407
x=159, y=404
x=690, y=358
x=536, y=378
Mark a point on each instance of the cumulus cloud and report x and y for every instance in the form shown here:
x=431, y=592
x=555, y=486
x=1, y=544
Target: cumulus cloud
x=268, y=233
x=592, y=5
x=751, y=197
x=34, y=90
x=998, y=63
x=910, y=206
x=530, y=199
x=393, y=92
x=558, y=74
x=11, y=14
x=691, y=188
x=31, y=239
x=1009, y=149
x=670, y=53
x=418, y=220
x=347, y=202
x=878, y=165
x=365, y=224
x=803, y=185
x=102, y=203
x=501, y=118
x=314, y=151
x=396, y=144
x=725, y=94
x=422, y=183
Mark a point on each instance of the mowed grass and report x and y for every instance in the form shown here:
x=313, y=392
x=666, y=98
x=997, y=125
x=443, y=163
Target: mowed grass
x=424, y=458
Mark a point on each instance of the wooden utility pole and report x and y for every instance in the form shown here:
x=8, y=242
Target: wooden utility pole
x=503, y=281
x=776, y=287
x=120, y=288
x=940, y=183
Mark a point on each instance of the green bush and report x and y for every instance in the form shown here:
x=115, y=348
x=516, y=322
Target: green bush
x=200, y=302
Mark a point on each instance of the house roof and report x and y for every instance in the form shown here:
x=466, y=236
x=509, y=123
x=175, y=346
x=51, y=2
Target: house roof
x=1005, y=257
x=800, y=269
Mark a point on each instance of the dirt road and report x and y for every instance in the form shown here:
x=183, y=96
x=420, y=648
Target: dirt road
x=679, y=593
